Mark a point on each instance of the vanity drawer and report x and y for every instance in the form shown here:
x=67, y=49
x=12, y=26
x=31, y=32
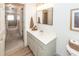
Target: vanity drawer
x=30, y=35
x=30, y=38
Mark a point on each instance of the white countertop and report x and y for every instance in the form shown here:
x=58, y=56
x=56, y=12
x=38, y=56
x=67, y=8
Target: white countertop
x=44, y=37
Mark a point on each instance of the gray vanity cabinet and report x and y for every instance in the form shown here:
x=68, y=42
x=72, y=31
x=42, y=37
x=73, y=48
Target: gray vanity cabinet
x=39, y=48
x=32, y=43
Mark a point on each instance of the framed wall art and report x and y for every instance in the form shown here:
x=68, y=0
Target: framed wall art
x=74, y=22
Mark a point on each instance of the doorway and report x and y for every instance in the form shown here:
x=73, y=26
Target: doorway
x=14, y=27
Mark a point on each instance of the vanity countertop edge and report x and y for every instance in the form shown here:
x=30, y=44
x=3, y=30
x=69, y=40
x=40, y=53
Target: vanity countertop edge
x=45, y=39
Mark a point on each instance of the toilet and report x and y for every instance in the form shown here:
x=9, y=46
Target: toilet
x=72, y=51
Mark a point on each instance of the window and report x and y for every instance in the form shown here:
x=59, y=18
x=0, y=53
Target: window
x=10, y=17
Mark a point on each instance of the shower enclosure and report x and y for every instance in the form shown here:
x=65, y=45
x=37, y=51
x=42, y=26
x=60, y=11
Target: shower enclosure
x=14, y=26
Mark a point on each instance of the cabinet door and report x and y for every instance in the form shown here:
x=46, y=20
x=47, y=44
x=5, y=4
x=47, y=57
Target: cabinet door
x=47, y=50
x=32, y=44
x=41, y=51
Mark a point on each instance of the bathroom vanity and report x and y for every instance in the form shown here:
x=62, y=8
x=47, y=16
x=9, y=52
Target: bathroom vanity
x=41, y=43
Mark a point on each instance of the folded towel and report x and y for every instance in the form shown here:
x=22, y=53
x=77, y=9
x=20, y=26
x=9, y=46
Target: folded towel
x=72, y=51
x=74, y=44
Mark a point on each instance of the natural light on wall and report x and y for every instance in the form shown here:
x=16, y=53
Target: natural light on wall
x=45, y=6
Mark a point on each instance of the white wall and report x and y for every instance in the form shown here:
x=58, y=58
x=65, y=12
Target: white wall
x=62, y=26
x=2, y=29
x=30, y=10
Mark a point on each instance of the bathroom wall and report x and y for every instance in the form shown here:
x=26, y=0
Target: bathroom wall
x=2, y=17
x=2, y=29
x=62, y=26
x=30, y=11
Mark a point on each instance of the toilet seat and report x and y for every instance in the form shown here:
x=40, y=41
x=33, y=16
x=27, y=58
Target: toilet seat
x=72, y=51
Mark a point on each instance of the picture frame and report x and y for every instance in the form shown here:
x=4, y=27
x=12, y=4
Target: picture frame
x=74, y=22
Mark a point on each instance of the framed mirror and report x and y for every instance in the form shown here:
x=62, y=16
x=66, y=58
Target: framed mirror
x=45, y=16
